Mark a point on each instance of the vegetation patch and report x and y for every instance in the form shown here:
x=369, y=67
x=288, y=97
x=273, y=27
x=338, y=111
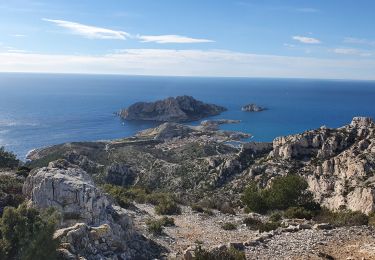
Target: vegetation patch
x=284, y=192
x=229, y=226
x=298, y=212
x=165, y=203
x=27, y=234
x=156, y=226
x=256, y=224
x=342, y=218
x=223, y=254
x=8, y=159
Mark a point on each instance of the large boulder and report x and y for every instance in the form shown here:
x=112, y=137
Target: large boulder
x=70, y=190
x=92, y=226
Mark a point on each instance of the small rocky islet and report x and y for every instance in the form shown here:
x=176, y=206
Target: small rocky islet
x=172, y=109
x=114, y=196
x=253, y=108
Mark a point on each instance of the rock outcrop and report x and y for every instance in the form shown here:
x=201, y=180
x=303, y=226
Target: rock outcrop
x=92, y=226
x=172, y=109
x=252, y=108
x=339, y=164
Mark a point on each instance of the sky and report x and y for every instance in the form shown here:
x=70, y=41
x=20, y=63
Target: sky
x=328, y=39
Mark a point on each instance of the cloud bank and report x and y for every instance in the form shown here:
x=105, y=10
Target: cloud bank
x=170, y=62
x=170, y=39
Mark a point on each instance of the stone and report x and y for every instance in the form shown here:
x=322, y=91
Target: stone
x=69, y=189
x=323, y=226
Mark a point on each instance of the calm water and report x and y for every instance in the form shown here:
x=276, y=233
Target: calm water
x=40, y=110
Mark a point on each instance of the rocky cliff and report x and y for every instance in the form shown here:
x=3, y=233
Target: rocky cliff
x=92, y=226
x=338, y=164
x=172, y=109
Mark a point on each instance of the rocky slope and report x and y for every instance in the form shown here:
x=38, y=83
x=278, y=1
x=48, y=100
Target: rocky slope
x=339, y=164
x=172, y=109
x=91, y=225
x=203, y=164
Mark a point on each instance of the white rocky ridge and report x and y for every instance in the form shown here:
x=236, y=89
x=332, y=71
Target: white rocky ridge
x=92, y=226
x=339, y=164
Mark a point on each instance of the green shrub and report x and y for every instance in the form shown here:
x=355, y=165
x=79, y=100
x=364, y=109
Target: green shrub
x=255, y=224
x=197, y=208
x=275, y=216
x=287, y=191
x=284, y=192
x=10, y=192
x=253, y=199
x=342, y=218
x=298, y=212
x=229, y=226
x=167, y=221
x=27, y=234
x=167, y=207
x=156, y=226
x=8, y=159
x=23, y=171
x=371, y=219
x=225, y=254
x=164, y=202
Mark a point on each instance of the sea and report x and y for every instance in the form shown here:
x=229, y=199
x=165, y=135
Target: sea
x=38, y=110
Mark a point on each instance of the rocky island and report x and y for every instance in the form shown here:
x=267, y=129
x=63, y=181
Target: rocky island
x=172, y=109
x=184, y=192
x=252, y=108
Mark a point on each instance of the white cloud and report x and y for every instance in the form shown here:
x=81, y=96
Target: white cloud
x=170, y=39
x=90, y=32
x=169, y=62
x=359, y=41
x=307, y=40
x=352, y=51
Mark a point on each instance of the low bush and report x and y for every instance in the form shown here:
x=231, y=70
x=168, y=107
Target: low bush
x=8, y=159
x=275, y=216
x=342, y=218
x=167, y=221
x=156, y=226
x=371, y=219
x=298, y=212
x=27, y=234
x=225, y=254
x=255, y=224
x=229, y=226
x=165, y=203
x=167, y=207
x=197, y=208
x=10, y=192
x=284, y=192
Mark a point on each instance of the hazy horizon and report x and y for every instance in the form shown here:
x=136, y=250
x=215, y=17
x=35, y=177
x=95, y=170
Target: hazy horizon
x=261, y=39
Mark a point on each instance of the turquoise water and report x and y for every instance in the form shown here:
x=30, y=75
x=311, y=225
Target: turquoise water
x=38, y=110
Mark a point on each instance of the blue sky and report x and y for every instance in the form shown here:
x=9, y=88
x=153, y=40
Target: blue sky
x=246, y=38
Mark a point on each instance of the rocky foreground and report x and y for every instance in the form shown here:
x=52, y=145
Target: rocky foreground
x=172, y=109
x=202, y=165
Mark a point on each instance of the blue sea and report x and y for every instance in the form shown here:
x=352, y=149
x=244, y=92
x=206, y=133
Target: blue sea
x=38, y=110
